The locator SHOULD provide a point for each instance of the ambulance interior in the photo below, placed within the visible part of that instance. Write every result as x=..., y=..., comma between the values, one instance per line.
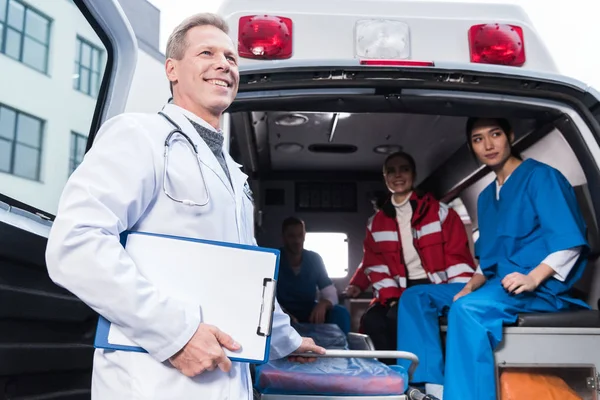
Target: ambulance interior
x=321, y=160
x=326, y=168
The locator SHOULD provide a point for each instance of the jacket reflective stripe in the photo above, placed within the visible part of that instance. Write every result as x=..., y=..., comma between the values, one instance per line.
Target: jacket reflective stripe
x=401, y=281
x=384, y=283
x=432, y=227
x=385, y=236
x=443, y=212
x=458, y=269
x=378, y=268
x=451, y=273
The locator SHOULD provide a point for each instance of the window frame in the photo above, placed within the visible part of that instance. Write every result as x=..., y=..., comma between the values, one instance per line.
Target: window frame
x=93, y=70
x=75, y=137
x=15, y=142
x=330, y=273
x=109, y=24
x=4, y=28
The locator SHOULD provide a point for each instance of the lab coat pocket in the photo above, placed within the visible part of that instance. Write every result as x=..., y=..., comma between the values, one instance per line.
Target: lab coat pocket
x=151, y=379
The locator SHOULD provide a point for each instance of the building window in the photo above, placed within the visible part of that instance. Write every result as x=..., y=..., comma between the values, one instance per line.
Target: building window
x=87, y=67
x=20, y=143
x=333, y=249
x=78, y=142
x=24, y=34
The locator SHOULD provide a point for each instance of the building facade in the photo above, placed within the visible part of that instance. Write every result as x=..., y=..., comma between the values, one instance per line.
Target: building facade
x=52, y=64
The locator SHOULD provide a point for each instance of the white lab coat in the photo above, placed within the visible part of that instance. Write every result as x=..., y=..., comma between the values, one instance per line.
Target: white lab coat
x=119, y=186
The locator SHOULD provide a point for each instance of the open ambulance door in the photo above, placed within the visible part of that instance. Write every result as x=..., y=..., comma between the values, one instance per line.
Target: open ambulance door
x=66, y=67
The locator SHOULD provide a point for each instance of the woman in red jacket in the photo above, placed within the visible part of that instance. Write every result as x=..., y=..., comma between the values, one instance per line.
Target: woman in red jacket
x=412, y=239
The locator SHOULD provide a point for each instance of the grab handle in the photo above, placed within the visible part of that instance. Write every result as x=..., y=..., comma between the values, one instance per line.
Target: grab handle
x=335, y=353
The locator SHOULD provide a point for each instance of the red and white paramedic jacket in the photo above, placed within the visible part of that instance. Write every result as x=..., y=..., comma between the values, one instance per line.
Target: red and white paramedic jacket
x=439, y=238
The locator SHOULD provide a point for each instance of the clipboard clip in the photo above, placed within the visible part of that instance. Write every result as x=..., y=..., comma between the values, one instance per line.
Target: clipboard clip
x=265, y=322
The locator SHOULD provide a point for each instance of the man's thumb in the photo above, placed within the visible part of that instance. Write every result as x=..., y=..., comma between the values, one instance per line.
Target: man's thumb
x=227, y=341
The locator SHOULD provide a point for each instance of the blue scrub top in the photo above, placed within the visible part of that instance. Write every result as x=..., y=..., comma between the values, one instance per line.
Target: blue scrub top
x=297, y=293
x=536, y=214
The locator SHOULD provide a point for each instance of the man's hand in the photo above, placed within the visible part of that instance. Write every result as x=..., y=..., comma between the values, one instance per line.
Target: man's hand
x=308, y=345
x=516, y=283
x=352, y=291
x=318, y=314
x=204, y=353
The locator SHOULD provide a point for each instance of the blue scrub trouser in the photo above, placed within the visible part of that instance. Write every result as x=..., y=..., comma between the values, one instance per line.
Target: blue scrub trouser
x=474, y=330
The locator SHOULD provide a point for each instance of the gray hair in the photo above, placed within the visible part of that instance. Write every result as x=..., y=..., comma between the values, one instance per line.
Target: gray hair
x=176, y=45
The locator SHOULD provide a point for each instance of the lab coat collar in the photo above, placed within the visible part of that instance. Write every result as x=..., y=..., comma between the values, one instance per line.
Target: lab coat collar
x=190, y=115
x=207, y=157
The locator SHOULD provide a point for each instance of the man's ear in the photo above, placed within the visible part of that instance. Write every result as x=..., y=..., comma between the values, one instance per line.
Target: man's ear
x=171, y=70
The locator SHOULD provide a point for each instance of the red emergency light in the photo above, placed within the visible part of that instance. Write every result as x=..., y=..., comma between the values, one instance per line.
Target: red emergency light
x=265, y=37
x=497, y=44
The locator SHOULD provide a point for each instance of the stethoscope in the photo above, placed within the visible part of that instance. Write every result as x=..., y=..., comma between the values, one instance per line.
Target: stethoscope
x=177, y=131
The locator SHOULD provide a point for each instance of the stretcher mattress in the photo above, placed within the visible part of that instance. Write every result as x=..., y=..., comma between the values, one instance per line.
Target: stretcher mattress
x=330, y=376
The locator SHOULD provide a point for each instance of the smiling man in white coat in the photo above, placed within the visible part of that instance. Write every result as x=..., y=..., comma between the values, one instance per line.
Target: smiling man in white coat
x=119, y=186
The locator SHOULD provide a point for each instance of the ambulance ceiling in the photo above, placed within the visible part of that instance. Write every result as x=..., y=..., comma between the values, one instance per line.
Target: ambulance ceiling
x=359, y=142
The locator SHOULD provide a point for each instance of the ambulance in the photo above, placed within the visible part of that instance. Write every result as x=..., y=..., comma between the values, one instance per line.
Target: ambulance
x=327, y=90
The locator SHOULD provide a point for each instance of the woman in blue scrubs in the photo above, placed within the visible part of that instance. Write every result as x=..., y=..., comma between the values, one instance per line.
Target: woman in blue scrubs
x=531, y=249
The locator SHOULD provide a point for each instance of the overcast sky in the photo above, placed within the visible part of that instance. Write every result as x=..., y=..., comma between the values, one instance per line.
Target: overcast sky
x=570, y=29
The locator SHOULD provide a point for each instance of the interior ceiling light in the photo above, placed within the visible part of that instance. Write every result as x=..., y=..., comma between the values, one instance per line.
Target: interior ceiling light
x=289, y=147
x=342, y=115
x=291, y=120
x=387, y=148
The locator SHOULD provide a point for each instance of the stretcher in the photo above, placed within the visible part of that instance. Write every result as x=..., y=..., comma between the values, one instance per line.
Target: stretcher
x=340, y=374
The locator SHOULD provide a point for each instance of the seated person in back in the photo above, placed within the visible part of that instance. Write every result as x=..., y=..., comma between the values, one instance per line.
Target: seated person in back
x=301, y=272
x=532, y=249
x=413, y=239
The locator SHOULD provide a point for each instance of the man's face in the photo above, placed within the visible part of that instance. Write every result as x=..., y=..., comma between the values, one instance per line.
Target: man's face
x=293, y=238
x=207, y=75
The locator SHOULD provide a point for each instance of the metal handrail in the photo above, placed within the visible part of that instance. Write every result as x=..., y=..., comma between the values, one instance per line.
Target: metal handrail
x=336, y=353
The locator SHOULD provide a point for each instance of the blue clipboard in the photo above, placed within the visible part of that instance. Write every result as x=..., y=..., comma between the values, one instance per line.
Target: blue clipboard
x=258, y=301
